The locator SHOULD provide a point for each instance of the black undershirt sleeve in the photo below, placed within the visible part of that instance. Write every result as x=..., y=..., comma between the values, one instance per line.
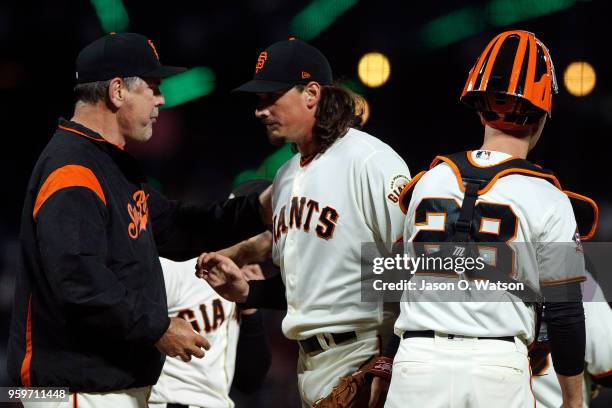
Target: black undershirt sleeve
x=253, y=356
x=564, y=317
x=266, y=294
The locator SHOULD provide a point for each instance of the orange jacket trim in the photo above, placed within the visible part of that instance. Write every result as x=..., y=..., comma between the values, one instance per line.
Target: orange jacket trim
x=87, y=136
x=26, y=380
x=71, y=175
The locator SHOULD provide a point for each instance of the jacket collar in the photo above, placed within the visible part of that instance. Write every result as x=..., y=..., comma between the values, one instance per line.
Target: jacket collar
x=78, y=129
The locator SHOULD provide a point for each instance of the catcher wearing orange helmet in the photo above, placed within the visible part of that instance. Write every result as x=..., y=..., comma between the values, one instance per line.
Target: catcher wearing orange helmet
x=466, y=350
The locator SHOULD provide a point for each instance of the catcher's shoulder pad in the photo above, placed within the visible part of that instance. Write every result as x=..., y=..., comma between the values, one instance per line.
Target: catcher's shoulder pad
x=466, y=170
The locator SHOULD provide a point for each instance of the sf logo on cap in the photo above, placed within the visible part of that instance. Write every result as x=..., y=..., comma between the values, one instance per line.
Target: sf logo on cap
x=153, y=48
x=261, y=60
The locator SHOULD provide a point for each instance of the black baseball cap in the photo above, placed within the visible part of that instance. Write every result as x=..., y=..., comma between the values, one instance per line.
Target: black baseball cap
x=288, y=63
x=121, y=55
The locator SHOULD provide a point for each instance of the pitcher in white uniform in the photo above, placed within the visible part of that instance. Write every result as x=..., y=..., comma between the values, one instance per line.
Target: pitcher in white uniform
x=342, y=189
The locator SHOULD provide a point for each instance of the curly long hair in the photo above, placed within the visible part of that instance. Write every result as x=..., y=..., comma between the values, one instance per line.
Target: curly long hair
x=338, y=110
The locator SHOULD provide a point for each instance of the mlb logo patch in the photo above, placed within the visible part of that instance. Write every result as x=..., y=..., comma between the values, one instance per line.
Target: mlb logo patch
x=576, y=239
x=483, y=154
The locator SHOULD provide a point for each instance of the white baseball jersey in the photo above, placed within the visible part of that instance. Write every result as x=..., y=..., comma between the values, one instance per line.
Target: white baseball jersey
x=323, y=211
x=524, y=209
x=598, y=355
x=200, y=382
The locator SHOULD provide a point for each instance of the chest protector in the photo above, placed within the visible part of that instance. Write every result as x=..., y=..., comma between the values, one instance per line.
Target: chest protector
x=475, y=180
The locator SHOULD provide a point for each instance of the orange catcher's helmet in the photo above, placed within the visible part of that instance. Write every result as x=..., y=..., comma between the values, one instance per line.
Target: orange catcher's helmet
x=512, y=82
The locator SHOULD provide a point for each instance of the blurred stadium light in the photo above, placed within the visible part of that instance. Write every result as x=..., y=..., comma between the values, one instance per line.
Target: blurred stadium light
x=459, y=24
x=374, y=69
x=579, y=78
x=112, y=15
x=187, y=86
x=317, y=16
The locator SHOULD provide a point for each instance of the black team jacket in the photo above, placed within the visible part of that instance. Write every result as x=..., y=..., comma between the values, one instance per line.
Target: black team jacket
x=90, y=300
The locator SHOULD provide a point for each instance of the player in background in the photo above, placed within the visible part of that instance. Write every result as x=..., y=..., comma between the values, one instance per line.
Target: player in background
x=341, y=190
x=233, y=333
x=239, y=355
x=598, y=356
x=474, y=354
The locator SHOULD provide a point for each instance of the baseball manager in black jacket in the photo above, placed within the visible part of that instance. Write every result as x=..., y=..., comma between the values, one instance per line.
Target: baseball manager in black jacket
x=90, y=305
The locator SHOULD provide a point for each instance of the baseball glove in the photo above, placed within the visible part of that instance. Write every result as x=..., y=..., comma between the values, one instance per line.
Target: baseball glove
x=353, y=391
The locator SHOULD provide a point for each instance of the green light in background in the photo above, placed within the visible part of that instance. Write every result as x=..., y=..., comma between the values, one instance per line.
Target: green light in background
x=112, y=15
x=268, y=168
x=317, y=16
x=452, y=27
x=273, y=162
x=354, y=86
x=245, y=176
x=505, y=12
x=187, y=86
x=459, y=24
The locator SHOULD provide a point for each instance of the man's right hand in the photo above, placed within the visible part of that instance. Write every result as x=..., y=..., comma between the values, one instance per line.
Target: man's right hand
x=181, y=340
x=223, y=275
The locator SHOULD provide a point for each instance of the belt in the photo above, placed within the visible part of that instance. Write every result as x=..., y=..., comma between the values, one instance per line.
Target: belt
x=430, y=333
x=312, y=344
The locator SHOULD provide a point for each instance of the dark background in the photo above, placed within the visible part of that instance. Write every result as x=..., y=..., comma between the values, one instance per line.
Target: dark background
x=199, y=147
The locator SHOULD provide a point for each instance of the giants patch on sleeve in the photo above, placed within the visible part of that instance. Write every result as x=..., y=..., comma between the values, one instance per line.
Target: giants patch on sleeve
x=396, y=185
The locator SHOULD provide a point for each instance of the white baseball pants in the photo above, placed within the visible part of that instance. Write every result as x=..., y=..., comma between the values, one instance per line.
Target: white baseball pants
x=462, y=372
